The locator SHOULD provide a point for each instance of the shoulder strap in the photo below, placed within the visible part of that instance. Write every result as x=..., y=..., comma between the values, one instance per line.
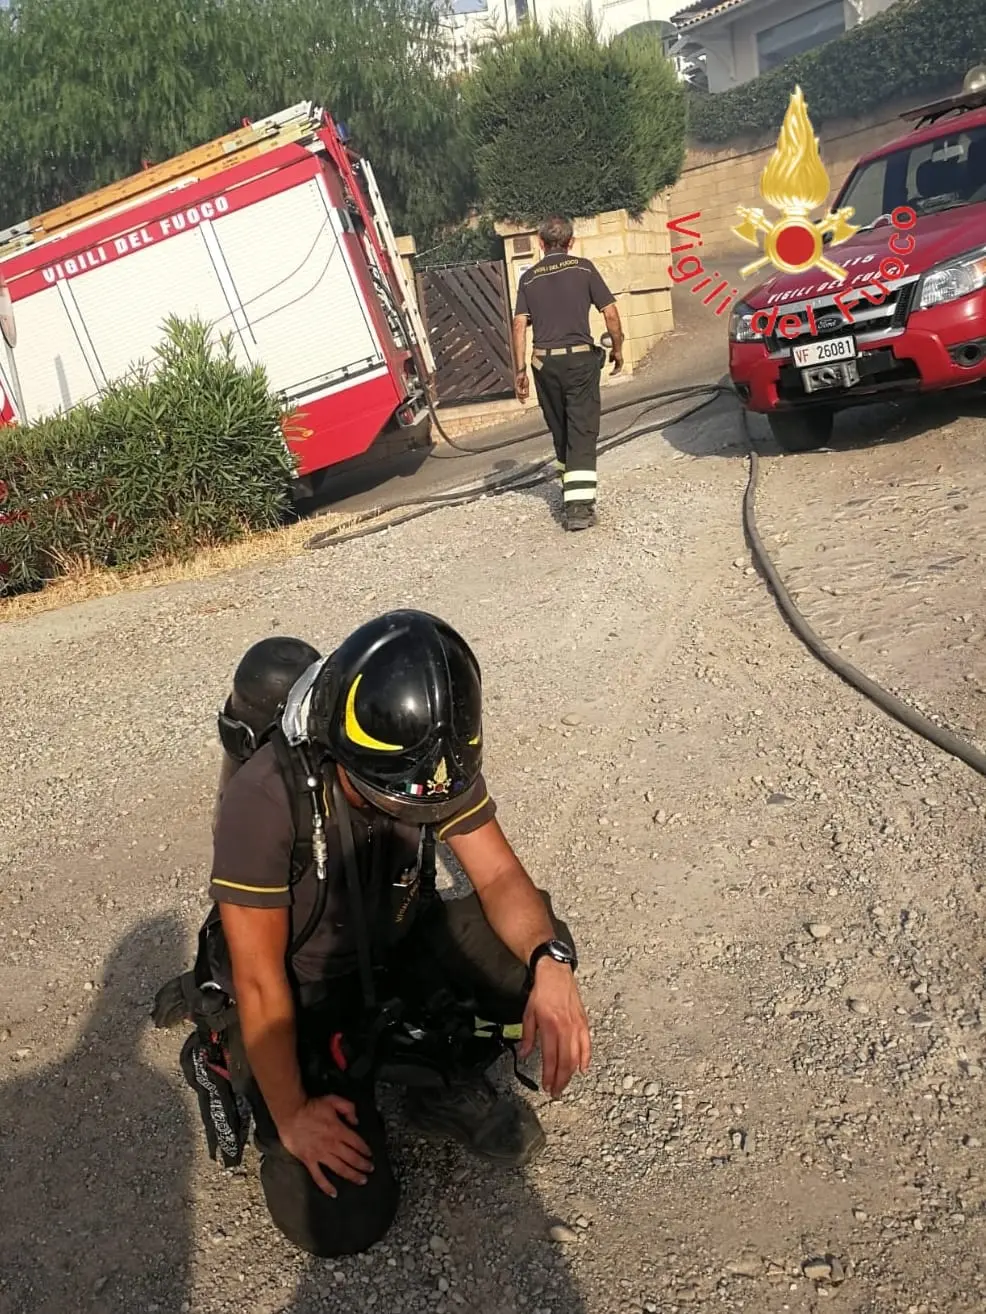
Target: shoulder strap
x=296, y=773
x=428, y=870
x=293, y=774
x=308, y=814
x=357, y=910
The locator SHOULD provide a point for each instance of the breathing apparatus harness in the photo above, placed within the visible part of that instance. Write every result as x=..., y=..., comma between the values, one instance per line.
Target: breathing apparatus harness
x=420, y=1051
x=448, y=1022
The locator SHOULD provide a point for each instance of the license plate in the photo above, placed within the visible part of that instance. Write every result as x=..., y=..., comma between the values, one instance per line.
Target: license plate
x=823, y=353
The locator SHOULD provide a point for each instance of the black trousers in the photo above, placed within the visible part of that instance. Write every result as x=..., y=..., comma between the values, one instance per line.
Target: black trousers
x=452, y=947
x=567, y=389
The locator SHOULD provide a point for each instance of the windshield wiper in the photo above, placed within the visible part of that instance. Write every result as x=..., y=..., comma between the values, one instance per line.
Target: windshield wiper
x=930, y=207
x=936, y=208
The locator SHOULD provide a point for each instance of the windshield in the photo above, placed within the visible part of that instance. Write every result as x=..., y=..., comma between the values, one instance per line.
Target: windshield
x=930, y=176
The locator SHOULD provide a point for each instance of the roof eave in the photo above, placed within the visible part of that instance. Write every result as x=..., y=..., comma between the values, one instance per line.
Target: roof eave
x=702, y=20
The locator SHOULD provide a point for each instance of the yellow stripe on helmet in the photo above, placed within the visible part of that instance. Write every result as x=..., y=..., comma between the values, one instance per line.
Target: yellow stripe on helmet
x=356, y=732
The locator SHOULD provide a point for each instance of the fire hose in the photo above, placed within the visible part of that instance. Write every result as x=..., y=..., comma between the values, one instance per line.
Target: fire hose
x=945, y=739
x=541, y=472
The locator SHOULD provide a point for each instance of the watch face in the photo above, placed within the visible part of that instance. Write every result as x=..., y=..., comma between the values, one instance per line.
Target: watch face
x=559, y=950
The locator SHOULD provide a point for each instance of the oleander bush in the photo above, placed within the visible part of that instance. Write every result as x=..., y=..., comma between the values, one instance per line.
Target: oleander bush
x=185, y=452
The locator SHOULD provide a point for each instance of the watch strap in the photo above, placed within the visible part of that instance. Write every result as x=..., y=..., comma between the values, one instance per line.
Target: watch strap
x=544, y=950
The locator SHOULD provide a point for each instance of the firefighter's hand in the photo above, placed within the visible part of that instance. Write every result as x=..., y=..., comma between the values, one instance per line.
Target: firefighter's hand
x=616, y=359
x=321, y=1134
x=522, y=384
x=555, y=1017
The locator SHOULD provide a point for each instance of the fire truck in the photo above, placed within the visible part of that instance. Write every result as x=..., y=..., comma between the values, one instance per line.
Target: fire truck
x=276, y=235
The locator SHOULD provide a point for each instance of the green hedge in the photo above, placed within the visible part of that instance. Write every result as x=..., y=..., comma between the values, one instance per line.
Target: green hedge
x=562, y=123
x=186, y=452
x=917, y=47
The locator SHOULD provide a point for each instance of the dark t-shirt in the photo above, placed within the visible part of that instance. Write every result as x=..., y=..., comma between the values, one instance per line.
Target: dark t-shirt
x=251, y=865
x=555, y=295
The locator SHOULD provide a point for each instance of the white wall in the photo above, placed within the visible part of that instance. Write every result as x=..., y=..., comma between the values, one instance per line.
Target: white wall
x=617, y=15
x=612, y=16
x=720, y=59
x=731, y=44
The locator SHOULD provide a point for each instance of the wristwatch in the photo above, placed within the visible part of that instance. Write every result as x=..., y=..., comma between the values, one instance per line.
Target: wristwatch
x=556, y=949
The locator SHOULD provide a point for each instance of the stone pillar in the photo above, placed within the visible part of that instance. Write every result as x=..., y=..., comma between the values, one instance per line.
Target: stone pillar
x=407, y=249
x=632, y=255
x=521, y=250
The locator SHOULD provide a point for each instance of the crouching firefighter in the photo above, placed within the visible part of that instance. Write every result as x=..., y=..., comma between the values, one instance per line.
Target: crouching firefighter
x=329, y=962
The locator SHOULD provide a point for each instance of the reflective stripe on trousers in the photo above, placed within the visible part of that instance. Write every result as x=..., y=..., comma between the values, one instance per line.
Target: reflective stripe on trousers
x=580, y=485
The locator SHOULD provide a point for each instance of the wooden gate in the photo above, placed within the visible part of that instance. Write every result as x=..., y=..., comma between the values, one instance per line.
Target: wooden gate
x=467, y=314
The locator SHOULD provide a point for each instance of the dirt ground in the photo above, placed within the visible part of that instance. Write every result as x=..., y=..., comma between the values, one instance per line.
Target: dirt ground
x=777, y=893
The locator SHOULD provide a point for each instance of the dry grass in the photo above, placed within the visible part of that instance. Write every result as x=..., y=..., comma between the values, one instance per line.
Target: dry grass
x=82, y=585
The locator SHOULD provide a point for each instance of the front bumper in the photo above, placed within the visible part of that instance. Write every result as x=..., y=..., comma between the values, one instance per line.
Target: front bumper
x=943, y=347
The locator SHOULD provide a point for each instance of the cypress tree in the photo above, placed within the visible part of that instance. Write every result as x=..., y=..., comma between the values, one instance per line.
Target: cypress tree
x=561, y=122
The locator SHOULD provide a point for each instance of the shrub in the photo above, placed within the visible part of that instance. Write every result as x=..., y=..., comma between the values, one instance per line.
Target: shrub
x=463, y=244
x=915, y=47
x=185, y=452
x=563, y=123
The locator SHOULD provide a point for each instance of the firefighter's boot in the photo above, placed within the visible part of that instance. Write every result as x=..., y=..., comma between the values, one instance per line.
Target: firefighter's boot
x=470, y=1110
x=580, y=515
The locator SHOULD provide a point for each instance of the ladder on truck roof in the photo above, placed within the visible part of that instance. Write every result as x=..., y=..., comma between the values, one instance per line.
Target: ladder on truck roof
x=300, y=123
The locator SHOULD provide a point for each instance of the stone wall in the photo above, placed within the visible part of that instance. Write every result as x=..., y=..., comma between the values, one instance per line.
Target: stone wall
x=632, y=255
x=715, y=182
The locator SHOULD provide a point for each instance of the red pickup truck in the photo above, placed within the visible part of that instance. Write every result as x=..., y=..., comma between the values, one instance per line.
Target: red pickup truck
x=922, y=330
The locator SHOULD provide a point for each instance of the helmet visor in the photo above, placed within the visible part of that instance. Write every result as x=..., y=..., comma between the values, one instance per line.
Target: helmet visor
x=407, y=808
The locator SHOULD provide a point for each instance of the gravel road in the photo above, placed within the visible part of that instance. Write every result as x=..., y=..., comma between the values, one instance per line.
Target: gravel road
x=777, y=893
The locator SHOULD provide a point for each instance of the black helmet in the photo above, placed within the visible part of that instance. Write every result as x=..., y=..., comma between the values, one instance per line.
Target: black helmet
x=399, y=706
x=263, y=679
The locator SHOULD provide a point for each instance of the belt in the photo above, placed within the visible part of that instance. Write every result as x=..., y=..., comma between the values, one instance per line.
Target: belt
x=562, y=351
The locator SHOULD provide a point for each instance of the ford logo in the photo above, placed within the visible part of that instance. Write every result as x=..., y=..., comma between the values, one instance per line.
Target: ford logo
x=828, y=322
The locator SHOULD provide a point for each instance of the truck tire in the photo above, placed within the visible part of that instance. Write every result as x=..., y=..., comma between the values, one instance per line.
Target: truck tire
x=802, y=431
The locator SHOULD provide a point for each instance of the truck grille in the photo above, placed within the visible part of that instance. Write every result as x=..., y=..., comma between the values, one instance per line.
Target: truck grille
x=869, y=321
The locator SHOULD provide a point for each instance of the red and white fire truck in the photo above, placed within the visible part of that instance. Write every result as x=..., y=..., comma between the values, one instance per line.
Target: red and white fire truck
x=275, y=234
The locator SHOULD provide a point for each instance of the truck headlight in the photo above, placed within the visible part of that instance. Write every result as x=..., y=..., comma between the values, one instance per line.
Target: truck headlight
x=740, y=324
x=954, y=279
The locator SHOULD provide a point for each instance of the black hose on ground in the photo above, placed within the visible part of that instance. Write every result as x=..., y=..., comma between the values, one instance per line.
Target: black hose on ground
x=944, y=739
x=533, y=475
x=529, y=476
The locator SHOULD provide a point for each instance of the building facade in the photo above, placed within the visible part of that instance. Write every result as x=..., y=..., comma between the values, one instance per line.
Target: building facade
x=468, y=23
x=739, y=39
